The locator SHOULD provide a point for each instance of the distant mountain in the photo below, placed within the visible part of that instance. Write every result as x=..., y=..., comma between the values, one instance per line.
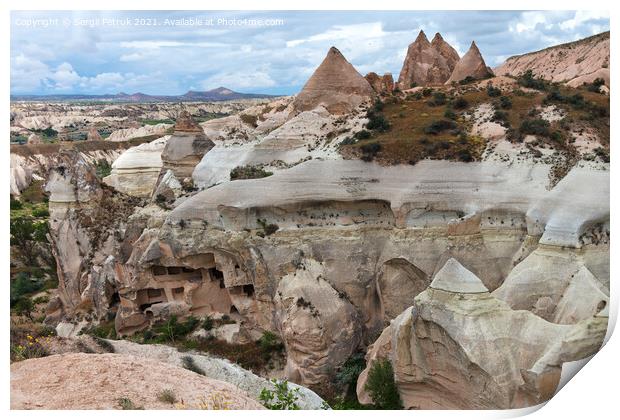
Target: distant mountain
x=219, y=94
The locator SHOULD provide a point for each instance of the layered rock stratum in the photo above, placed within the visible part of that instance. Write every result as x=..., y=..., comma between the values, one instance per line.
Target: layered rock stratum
x=573, y=63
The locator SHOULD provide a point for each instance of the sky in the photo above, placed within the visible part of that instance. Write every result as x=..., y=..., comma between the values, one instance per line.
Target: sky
x=271, y=52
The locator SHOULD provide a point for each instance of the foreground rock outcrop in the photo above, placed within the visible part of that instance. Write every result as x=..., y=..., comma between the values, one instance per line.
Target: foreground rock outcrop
x=458, y=347
x=335, y=85
x=218, y=369
x=83, y=381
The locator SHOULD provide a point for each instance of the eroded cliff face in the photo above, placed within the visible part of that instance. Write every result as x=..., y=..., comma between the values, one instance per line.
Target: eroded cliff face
x=338, y=269
x=459, y=347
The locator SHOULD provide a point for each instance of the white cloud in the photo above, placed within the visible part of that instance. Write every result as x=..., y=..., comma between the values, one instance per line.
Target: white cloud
x=27, y=73
x=582, y=16
x=353, y=33
x=239, y=80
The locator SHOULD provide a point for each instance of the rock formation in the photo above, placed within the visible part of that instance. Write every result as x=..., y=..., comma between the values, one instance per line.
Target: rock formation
x=311, y=314
x=335, y=85
x=185, y=147
x=49, y=383
x=93, y=135
x=382, y=85
x=85, y=223
x=470, y=65
x=136, y=171
x=125, y=134
x=427, y=63
x=573, y=63
x=34, y=139
x=458, y=347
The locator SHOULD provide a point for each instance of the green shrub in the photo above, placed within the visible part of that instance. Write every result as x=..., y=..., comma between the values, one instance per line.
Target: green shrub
x=467, y=80
x=40, y=212
x=450, y=114
x=126, y=404
x=16, y=204
x=370, y=150
x=268, y=228
x=167, y=396
x=362, y=135
x=104, y=345
x=249, y=172
x=426, y=92
x=437, y=127
x=281, y=398
x=346, y=377
x=439, y=98
x=270, y=342
x=207, y=323
x=381, y=386
x=528, y=80
x=595, y=86
x=24, y=233
x=460, y=103
x=24, y=285
x=492, y=91
x=377, y=122
x=505, y=102
x=190, y=364
x=171, y=330
x=536, y=126
x=103, y=168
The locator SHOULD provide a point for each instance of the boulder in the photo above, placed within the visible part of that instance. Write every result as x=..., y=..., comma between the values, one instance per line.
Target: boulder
x=336, y=85
x=470, y=65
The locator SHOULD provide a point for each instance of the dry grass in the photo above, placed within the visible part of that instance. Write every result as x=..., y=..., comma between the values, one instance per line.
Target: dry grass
x=408, y=139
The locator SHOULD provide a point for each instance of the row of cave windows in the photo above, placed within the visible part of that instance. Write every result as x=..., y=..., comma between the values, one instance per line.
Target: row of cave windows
x=214, y=273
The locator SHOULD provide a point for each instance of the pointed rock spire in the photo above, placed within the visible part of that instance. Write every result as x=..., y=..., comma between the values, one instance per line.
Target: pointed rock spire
x=455, y=278
x=335, y=84
x=427, y=63
x=471, y=65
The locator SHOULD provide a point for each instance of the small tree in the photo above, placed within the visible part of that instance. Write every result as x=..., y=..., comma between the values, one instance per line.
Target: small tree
x=381, y=386
x=281, y=398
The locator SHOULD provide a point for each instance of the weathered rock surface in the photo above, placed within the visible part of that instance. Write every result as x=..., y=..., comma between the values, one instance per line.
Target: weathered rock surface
x=136, y=171
x=83, y=381
x=125, y=134
x=382, y=85
x=335, y=85
x=312, y=317
x=573, y=63
x=185, y=147
x=427, y=63
x=218, y=369
x=93, y=135
x=458, y=347
x=470, y=65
